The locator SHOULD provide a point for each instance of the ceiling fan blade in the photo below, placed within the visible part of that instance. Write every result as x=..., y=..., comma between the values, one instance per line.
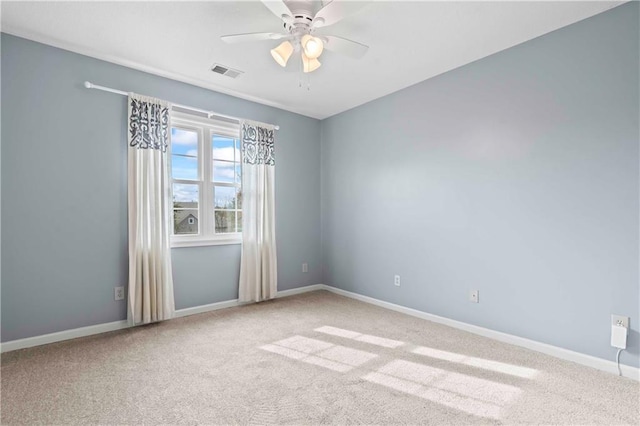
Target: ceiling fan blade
x=335, y=11
x=278, y=8
x=248, y=37
x=344, y=46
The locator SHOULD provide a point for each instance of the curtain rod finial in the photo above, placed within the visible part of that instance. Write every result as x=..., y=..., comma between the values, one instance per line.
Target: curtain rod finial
x=88, y=85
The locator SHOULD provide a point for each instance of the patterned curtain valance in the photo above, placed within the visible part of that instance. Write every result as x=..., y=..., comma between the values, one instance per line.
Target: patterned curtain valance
x=149, y=119
x=257, y=144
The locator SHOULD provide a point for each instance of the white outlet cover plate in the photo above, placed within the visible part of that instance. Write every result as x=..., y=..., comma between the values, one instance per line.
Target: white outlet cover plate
x=473, y=296
x=119, y=293
x=616, y=318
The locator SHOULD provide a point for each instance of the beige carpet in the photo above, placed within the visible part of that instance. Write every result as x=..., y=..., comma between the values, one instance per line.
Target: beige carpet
x=308, y=359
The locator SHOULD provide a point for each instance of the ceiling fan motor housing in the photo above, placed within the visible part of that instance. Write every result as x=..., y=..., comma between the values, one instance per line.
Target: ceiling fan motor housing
x=301, y=24
x=302, y=19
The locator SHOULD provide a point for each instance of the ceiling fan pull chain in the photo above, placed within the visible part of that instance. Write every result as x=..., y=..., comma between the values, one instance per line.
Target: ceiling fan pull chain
x=301, y=73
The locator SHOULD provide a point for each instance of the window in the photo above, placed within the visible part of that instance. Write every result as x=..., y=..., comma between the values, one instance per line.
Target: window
x=206, y=174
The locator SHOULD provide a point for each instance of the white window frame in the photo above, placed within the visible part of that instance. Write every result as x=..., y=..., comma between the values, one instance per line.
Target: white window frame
x=205, y=129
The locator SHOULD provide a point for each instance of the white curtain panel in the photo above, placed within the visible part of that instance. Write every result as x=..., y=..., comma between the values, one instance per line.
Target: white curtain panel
x=258, y=265
x=150, y=276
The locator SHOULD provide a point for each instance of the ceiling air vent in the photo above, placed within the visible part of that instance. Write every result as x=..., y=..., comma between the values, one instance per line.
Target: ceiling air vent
x=229, y=72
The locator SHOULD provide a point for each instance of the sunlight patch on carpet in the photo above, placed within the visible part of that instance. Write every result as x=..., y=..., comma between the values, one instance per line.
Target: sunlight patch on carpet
x=304, y=344
x=465, y=385
x=438, y=396
x=320, y=353
x=472, y=395
x=289, y=353
x=326, y=363
x=348, y=356
x=366, y=338
x=498, y=367
x=486, y=364
x=469, y=394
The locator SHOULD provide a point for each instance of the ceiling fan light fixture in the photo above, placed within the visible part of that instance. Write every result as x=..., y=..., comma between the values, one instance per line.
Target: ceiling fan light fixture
x=282, y=53
x=312, y=46
x=309, y=64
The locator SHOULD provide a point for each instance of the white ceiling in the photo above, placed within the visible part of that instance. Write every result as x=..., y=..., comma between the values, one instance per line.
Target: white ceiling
x=409, y=42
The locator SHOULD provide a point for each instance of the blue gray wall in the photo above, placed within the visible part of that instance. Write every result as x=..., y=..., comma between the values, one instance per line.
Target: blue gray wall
x=64, y=224
x=516, y=175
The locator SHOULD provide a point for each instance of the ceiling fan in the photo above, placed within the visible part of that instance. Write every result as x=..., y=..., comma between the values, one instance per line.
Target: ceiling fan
x=300, y=23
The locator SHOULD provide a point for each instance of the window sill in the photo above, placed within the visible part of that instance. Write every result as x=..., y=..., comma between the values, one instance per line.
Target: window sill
x=200, y=242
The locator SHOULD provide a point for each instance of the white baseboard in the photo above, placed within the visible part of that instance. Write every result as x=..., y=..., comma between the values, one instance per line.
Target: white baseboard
x=206, y=308
x=235, y=302
x=62, y=335
x=577, y=357
x=118, y=325
x=300, y=290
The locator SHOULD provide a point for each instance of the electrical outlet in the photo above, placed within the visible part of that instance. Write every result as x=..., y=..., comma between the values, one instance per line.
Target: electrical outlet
x=119, y=293
x=396, y=280
x=474, y=296
x=305, y=267
x=620, y=320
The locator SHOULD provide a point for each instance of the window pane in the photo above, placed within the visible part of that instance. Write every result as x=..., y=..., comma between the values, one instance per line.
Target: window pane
x=185, y=208
x=239, y=198
x=184, y=147
x=238, y=173
x=239, y=215
x=185, y=196
x=223, y=171
x=223, y=149
x=224, y=197
x=185, y=221
x=225, y=221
